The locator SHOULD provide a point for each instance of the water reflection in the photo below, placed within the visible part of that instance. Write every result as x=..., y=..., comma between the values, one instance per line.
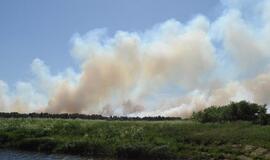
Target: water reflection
x=22, y=155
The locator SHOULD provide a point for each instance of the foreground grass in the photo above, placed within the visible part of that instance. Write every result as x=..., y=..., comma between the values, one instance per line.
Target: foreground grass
x=138, y=139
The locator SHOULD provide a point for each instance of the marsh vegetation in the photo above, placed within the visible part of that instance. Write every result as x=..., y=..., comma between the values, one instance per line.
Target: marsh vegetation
x=233, y=131
x=135, y=139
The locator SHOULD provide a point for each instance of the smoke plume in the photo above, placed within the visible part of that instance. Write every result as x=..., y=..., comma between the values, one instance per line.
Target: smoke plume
x=172, y=69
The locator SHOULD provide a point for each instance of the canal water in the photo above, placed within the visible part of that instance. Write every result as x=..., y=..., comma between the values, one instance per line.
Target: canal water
x=6, y=154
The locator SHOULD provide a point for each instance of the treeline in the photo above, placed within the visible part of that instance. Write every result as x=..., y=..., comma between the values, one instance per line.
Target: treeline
x=242, y=110
x=81, y=116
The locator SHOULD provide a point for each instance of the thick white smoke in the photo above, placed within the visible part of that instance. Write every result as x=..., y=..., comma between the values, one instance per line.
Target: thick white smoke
x=172, y=69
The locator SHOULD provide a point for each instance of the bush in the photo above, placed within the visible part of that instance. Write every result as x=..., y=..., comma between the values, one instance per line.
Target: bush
x=263, y=118
x=232, y=112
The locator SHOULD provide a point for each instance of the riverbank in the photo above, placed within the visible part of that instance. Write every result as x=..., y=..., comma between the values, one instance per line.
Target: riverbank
x=137, y=139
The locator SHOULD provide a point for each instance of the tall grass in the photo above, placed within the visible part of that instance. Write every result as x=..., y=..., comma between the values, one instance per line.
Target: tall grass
x=132, y=139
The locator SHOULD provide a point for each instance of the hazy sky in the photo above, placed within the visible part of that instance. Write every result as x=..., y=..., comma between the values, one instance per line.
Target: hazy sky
x=136, y=58
x=42, y=29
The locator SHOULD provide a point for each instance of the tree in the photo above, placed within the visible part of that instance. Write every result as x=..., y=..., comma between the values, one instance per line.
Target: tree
x=242, y=110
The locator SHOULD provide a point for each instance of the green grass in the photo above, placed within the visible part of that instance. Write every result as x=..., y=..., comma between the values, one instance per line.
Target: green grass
x=134, y=139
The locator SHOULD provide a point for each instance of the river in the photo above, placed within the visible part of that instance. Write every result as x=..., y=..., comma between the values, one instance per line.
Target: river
x=6, y=154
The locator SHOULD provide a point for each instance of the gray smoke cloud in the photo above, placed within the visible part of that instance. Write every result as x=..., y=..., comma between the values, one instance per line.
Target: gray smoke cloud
x=172, y=69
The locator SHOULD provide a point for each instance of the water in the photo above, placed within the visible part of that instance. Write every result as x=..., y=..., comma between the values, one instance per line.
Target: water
x=22, y=155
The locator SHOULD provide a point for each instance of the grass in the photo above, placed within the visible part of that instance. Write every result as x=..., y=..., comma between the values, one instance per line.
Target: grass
x=135, y=139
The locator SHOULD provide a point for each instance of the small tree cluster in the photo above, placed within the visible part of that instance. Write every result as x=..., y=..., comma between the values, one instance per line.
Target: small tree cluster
x=242, y=110
x=81, y=116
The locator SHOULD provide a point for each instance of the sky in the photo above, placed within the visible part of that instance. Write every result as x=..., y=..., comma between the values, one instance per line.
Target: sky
x=134, y=58
x=43, y=29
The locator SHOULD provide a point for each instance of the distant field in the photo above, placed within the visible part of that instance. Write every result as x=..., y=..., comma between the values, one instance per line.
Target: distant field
x=137, y=139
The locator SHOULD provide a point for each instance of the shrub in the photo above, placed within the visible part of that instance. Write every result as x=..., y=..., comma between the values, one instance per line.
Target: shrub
x=232, y=112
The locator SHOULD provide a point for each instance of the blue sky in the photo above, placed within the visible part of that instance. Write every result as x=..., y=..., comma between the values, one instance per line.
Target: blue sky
x=42, y=29
x=154, y=57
